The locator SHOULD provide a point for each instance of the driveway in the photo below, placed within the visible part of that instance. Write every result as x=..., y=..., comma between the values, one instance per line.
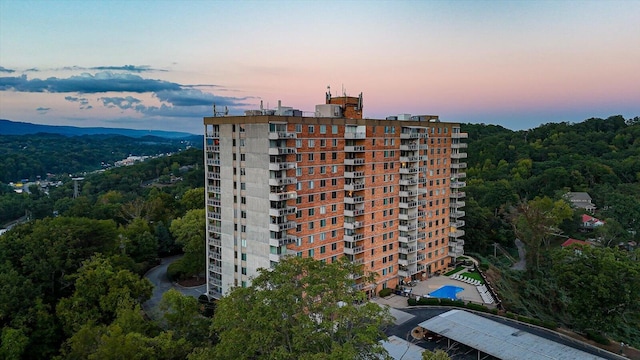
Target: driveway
x=161, y=284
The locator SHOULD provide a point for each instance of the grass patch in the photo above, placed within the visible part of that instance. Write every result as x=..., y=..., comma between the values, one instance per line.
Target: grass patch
x=454, y=271
x=474, y=275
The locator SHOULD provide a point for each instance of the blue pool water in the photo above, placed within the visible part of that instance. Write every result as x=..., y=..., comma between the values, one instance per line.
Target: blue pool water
x=447, y=292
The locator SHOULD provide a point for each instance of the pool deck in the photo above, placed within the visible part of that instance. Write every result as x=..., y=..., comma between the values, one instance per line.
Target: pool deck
x=422, y=288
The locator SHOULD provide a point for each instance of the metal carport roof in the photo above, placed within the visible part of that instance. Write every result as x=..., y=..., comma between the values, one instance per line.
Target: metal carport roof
x=499, y=340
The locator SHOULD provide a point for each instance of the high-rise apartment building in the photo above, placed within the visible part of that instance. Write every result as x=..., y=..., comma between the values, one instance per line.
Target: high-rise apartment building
x=384, y=193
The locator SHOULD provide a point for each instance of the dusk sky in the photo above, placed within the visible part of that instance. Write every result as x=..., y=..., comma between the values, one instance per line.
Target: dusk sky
x=160, y=65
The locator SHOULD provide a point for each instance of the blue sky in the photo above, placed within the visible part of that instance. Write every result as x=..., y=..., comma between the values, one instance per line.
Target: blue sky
x=162, y=64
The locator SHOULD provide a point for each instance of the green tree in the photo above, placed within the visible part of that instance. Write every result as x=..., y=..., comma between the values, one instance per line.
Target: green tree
x=536, y=222
x=602, y=286
x=183, y=317
x=193, y=199
x=13, y=343
x=301, y=309
x=100, y=290
x=435, y=355
x=189, y=231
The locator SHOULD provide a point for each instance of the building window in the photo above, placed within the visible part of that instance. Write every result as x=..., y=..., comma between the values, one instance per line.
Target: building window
x=334, y=247
x=298, y=128
x=323, y=143
x=310, y=252
x=311, y=184
x=323, y=129
x=298, y=143
x=323, y=249
x=311, y=143
x=334, y=129
x=311, y=129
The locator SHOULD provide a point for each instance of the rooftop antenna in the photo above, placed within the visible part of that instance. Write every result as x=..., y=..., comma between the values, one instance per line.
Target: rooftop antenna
x=328, y=94
x=217, y=113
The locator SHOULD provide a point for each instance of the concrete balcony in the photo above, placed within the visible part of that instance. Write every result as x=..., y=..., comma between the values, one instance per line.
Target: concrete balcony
x=282, y=240
x=215, y=242
x=213, y=162
x=214, y=189
x=354, y=199
x=458, y=184
x=213, y=148
x=408, y=159
x=353, y=251
x=214, y=215
x=413, y=135
x=404, y=273
x=277, y=166
x=214, y=281
x=408, y=204
x=457, y=194
x=458, y=223
x=407, y=249
x=408, y=182
x=457, y=233
x=282, y=151
x=213, y=175
x=353, y=174
x=459, y=145
x=212, y=135
x=456, y=214
x=282, y=181
x=277, y=257
x=281, y=135
x=354, y=212
x=457, y=204
x=354, y=186
x=403, y=262
x=354, y=161
x=407, y=227
x=409, y=147
x=214, y=229
x=409, y=193
x=353, y=225
x=215, y=255
x=459, y=155
x=407, y=239
x=456, y=251
x=281, y=196
x=459, y=135
x=356, y=148
x=408, y=170
x=458, y=165
x=458, y=175
x=282, y=226
x=355, y=135
x=289, y=210
x=458, y=242
x=353, y=238
x=408, y=216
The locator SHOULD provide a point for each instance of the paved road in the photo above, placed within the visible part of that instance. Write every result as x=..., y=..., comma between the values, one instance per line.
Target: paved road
x=161, y=284
x=522, y=264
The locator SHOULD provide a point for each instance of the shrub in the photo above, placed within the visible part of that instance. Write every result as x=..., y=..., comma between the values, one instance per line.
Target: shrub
x=175, y=271
x=385, y=292
x=510, y=315
x=477, y=307
x=597, y=337
x=448, y=302
x=412, y=302
x=484, y=266
x=549, y=324
x=429, y=301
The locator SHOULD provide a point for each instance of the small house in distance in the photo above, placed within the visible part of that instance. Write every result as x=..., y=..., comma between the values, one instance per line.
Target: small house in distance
x=580, y=200
x=589, y=222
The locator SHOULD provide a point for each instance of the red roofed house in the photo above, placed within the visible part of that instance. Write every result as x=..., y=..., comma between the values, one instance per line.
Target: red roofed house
x=590, y=223
x=571, y=241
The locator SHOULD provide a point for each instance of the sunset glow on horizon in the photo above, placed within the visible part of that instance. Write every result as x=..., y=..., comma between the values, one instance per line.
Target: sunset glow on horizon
x=161, y=65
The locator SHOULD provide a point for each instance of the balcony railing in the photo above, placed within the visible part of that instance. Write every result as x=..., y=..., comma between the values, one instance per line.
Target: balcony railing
x=459, y=155
x=213, y=148
x=276, y=166
x=354, y=161
x=282, y=181
x=353, y=238
x=282, y=226
x=409, y=147
x=282, y=150
x=353, y=199
x=459, y=135
x=353, y=212
x=353, y=174
x=354, y=250
x=458, y=165
x=215, y=242
x=212, y=134
x=355, y=135
x=213, y=162
x=353, y=225
x=289, y=210
x=281, y=135
x=355, y=148
x=354, y=186
x=280, y=196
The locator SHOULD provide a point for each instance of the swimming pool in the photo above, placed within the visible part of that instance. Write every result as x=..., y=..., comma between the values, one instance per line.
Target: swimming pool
x=447, y=292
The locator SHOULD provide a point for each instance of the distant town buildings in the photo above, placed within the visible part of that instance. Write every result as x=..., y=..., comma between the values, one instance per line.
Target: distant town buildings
x=385, y=193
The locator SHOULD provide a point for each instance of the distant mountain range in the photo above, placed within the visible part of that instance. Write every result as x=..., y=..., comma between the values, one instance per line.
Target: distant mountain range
x=8, y=127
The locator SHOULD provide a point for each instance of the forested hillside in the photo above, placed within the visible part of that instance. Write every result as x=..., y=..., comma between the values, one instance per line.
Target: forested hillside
x=515, y=186
x=29, y=156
